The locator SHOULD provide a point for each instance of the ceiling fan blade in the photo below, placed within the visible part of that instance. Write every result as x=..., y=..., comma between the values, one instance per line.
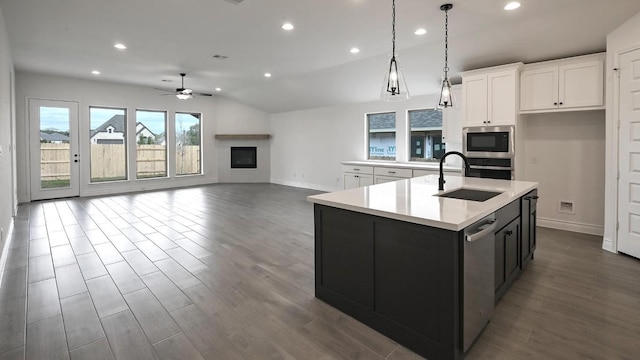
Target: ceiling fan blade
x=165, y=90
x=202, y=94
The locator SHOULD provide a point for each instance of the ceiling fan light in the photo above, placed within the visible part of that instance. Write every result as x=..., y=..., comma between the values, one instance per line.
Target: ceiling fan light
x=184, y=96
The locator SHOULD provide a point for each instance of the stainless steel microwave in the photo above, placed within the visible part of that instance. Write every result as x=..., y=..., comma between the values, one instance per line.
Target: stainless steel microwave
x=489, y=141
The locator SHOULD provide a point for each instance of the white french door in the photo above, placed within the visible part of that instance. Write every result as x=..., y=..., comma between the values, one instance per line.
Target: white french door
x=54, y=156
x=629, y=155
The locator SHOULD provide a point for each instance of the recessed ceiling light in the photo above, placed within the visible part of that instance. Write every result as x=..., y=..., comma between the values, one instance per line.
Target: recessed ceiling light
x=512, y=6
x=287, y=26
x=420, y=31
x=95, y=72
x=267, y=75
x=218, y=89
x=354, y=50
x=120, y=46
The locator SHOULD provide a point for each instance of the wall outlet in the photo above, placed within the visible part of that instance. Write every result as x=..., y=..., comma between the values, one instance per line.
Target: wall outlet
x=566, y=207
x=338, y=179
x=1, y=234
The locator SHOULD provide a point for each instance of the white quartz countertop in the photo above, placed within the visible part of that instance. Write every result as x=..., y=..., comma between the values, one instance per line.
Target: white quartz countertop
x=412, y=200
x=403, y=165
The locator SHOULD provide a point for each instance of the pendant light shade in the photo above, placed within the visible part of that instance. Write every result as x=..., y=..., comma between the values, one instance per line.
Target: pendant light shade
x=394, y=87
x=446, y=96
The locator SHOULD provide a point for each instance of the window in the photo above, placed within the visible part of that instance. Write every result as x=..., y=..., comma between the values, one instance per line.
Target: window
x=188, y=144
x=108, y=138
x=151, y=144
x=426, y=135
x=382, y=136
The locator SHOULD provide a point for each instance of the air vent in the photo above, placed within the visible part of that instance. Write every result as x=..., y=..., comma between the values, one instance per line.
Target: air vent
x=236, y=2
x=220, y=57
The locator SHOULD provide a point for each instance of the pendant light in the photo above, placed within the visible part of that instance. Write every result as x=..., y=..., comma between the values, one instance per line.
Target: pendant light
x=446, y=97
x=393, y=86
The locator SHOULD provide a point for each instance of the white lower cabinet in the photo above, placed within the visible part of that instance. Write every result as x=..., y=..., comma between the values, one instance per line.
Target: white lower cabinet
x=357, y=180
x=356, y=176
x=385, y=174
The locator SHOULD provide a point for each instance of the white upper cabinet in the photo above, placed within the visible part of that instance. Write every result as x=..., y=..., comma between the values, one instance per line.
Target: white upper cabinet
x=563, y=85
x=452, y=118
x=490, y=95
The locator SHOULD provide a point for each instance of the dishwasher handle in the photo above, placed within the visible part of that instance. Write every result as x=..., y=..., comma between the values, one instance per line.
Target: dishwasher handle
x=484, y=231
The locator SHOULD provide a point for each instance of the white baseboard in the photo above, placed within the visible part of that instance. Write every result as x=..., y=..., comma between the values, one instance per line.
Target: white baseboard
x=5, y=249
x=607, y=244
x=305, y=185
x=147, y=185
x=571, y=226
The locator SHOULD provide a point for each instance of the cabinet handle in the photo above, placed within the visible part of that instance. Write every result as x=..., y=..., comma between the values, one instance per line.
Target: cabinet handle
x=560, y=102
x=392, y=172
x=535, y=197
x=356, y=169
x=555, y=104
x=508, y=233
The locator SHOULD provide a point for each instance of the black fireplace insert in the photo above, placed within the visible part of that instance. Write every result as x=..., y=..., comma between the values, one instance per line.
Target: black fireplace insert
x=244, y=157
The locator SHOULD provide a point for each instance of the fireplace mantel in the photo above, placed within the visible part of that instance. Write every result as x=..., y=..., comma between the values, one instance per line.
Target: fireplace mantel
x=242, y=136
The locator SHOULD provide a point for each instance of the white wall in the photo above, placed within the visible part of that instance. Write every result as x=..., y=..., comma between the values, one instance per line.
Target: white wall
x=235, y=118
x=7, y=124
x=564, y=153
x=216, y=112
x=624, y=38
x=308, y=145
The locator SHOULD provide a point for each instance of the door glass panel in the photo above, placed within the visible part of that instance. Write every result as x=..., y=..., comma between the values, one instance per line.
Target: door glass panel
x=55, y=156
x=108, y=138
x=188, y=144
x=151, y=144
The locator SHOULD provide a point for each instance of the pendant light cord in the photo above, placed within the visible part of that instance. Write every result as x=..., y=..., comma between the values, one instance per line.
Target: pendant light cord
x=446, y=43
x=393, y=28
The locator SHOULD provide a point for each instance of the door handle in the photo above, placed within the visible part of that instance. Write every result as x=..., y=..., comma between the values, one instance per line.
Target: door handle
x=480, y=234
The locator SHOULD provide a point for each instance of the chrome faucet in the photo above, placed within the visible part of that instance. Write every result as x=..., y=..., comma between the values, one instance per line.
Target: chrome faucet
x=466, y=167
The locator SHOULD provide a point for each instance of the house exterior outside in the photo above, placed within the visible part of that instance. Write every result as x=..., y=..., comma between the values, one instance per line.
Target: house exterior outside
x=113, y=130
x=53, y=138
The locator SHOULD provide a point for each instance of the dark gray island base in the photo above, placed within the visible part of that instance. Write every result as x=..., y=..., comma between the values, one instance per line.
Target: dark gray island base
x=406, y=280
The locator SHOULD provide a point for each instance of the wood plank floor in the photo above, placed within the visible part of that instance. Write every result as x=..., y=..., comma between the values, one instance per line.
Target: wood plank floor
x=226, y=272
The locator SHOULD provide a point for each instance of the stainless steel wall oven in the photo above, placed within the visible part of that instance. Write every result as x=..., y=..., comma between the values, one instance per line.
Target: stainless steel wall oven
x=490, y=150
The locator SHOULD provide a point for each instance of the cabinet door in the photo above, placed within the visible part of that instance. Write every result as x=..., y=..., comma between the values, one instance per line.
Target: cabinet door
x=384, y=179
x=351, y=181
x=474, y=93
x=539, y=89
x=452, y=118
x=507, y=256
x=502, y=98
x=365, y=180
x=581, y=85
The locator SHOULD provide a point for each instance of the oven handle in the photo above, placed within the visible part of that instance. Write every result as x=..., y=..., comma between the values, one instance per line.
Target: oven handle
x=490, y=167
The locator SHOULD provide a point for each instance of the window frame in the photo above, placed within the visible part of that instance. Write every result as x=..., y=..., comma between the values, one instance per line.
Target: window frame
x=127, y=176
x=201, y=153
x=368, y=133
x=409, y=131
x=166, y=137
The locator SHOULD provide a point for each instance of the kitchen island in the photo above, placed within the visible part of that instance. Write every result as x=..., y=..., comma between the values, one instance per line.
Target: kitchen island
x=393, y=256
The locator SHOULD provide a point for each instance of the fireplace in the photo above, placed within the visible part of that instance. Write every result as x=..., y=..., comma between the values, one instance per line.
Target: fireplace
x=244, y=157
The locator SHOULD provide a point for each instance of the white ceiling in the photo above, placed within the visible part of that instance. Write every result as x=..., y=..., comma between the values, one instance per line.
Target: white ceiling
x=311, y=65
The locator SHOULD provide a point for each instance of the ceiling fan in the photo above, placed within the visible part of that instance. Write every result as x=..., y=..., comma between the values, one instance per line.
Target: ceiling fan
x=183, y=93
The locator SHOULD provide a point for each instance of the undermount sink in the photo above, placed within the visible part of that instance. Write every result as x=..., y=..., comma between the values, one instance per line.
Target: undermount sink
x=470, y=194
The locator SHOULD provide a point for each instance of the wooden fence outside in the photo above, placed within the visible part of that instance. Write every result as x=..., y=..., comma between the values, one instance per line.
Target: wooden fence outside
x=108, y=161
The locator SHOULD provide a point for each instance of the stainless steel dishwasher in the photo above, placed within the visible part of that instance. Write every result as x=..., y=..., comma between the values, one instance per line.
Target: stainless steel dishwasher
x=479, y=278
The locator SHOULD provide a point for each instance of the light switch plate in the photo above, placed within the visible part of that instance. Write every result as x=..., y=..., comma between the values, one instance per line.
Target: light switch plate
x=0, y=150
